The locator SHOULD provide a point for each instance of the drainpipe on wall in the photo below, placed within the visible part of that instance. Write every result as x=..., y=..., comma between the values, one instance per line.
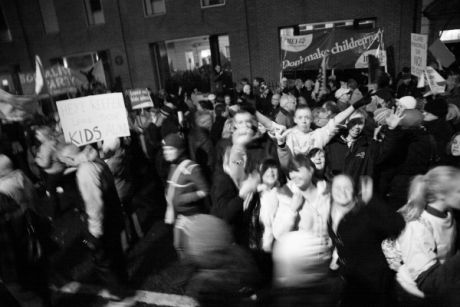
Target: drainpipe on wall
x=123, y=38
x=247, y=33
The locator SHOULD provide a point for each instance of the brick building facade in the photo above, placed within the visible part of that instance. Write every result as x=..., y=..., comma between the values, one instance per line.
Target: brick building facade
x=127, y=34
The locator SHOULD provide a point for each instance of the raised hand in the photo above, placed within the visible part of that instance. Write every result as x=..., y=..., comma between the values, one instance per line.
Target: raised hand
x=394, y=118
x=281, y=136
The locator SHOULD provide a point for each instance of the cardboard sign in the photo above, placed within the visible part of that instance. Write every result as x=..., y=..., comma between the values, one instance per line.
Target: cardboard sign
x=91, y=119
x=418, y=54
x=140, y=98
x=442, y=53
x=436, y=82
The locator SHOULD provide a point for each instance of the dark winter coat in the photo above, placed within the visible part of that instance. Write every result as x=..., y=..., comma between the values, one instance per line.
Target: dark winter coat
x=362, y=263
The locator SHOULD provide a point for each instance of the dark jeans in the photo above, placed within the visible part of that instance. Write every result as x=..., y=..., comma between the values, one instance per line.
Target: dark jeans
x=109, y=262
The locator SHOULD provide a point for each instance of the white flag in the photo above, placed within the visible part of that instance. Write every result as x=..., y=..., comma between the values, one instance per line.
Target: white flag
x=39, y=75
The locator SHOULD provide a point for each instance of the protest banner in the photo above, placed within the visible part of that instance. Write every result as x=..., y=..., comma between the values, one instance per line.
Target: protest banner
x=94, y=118
x=346, y=49
x=440, y=51
x=59, y=80
x=418, y=54
x=139, y=98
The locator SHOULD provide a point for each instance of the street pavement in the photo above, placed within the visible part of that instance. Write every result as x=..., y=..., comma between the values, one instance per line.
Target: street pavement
x=155, y=275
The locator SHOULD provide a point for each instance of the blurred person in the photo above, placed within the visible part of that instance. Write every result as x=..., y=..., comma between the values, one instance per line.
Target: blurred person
x=201, y=148
x=428, y=274
x=415, y=155
x=258, y=148
x=117, y=154
x=104, y=217
x=356, y=94
x=453, y=89
x=302, y=101
x=186, y=188
x=284, y=86
x=15, y=184
x=46, y=158
x=221, y=115
x=434, y=120
x=301, y=272
x=234, y=187
x=22, y=274
x=298, y=89
x=275, y=106
x=357, y=229
x=226, y=275
x=406, y=85
x=286, y=111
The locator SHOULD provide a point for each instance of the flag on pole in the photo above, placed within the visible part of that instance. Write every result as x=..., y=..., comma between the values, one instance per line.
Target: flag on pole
x=39, y=76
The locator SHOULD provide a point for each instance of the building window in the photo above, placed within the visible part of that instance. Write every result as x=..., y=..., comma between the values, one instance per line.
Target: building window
x=5, y=34
x=211, y=3
x=94, y=12
x=154, y=7
x=50, y=21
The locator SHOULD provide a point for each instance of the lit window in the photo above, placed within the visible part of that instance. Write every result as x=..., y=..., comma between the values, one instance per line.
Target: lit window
x=154, y=7
x=211, y=3
x=5, y=34
x=94, y=12
x=50, y=21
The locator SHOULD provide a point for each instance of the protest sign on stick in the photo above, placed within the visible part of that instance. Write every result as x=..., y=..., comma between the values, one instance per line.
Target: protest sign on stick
x=139, y=98
x=418, y=53
x=90, y=119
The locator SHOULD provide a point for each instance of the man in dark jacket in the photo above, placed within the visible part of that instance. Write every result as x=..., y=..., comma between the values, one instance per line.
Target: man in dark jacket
x=416, y=151
x=259, y=148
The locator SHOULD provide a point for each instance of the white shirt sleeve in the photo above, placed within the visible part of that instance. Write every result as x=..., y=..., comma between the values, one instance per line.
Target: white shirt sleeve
x=90, y=189
x=323, y=135
x=417, y=248
x=285, y=218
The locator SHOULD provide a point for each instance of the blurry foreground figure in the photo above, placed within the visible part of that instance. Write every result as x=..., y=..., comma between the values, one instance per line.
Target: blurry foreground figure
x=225, y=273
x=301, y=272
x=103, y=214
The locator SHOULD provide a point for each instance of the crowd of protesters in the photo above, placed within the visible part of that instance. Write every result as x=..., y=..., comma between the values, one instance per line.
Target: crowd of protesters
x=324, y=193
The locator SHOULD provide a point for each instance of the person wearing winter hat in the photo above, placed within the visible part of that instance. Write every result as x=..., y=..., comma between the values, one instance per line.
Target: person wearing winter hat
x=407, y=102
x=225, y=272
x=435, y=122
x=185, y=190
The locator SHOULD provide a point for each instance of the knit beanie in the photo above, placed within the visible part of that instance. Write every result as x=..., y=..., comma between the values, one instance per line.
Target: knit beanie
x=437, y=107
x=407, y=102
x=174, y=140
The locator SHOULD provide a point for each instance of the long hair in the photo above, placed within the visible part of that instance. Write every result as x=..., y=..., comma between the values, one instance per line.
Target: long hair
x=424, y=189
x=449, y=145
